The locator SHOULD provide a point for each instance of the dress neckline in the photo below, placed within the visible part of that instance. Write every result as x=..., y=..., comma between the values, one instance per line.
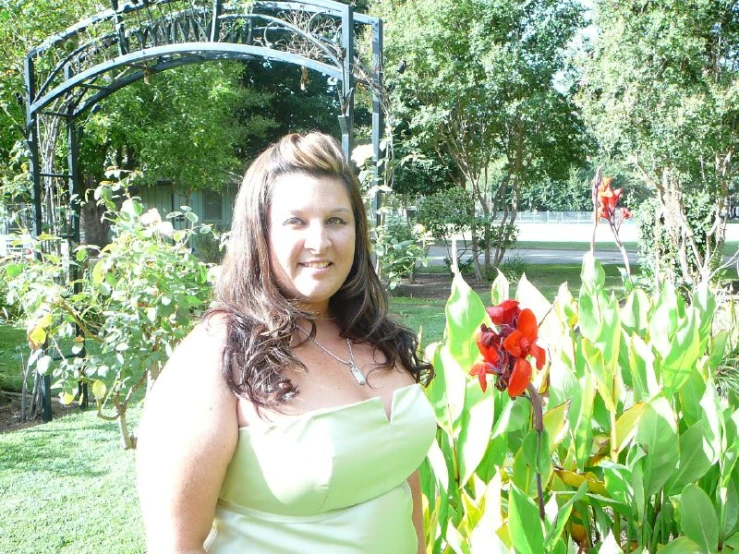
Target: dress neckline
x=311, y=414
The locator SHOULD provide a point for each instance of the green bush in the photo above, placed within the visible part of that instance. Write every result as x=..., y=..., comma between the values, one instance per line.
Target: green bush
x=135, y=300
x=658, y=255
x=399, y=249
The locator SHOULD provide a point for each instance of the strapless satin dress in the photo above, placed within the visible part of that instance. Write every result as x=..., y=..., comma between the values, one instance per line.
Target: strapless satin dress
x=330, y=481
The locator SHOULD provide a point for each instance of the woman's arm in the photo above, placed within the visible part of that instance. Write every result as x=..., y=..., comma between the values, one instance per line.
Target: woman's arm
x=187, y=438
x=415, y=484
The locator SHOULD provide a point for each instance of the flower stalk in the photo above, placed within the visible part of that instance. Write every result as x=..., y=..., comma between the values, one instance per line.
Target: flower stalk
x=505, y=351
x=605, y=201
x=535, y=399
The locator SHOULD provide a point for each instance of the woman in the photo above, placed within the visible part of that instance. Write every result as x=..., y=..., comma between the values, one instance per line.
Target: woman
x=291, y=420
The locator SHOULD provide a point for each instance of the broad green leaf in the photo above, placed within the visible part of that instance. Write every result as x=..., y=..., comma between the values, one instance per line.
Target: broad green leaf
x=563, y=385
x=436, y=391
x=477, y=426
x=704, y=303
x=465, y=313
x=589, y=318
x=525, y=526
x=514, y=417
x=731, y=509
x=499, y=291
x=604, y=376
x=732, y=541
x=681, y=354
x=694, y=460
x=717, y=348
x=663, y=322
x=584, y=428
x=636, y=462
x=713, y=429
x=536, y=451
x=731, y=451
x=626, y=425
x=657, y=433
x=530, y=297
x=691, y=395
x=592, y=275
x=618, y=482
x=609, y=336
x=641, y=365
x=635, y=313
x=554, y=424
x=681, y=545
x=699, y=521
x=456, y=377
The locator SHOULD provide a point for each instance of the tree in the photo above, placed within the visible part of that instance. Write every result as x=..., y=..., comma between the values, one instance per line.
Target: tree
x=659, y=86
x=24, y=25
x=478, y=87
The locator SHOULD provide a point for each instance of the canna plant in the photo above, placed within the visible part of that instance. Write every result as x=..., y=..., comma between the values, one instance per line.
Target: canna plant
x=637, y=452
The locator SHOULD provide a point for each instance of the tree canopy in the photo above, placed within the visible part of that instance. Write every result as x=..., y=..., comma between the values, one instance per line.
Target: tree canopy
x=660, y=89
x=477, y=87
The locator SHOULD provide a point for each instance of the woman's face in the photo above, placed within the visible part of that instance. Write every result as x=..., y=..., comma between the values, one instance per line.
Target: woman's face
x=311, y=237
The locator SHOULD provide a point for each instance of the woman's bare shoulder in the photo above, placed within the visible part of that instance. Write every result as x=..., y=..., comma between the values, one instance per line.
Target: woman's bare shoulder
x=204, y=343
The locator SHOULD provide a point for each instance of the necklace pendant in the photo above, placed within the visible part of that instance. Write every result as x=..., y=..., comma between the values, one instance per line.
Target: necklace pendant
x=358, y=375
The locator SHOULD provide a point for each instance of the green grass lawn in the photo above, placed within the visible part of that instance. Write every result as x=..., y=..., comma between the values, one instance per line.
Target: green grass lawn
x=423, y=315
x=67, y=486
x=13, y=352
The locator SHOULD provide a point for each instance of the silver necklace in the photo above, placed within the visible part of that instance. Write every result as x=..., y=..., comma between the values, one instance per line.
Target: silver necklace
x=352, y=365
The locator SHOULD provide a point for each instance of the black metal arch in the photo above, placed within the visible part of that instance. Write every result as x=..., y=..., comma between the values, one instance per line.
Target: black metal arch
x=71, y=72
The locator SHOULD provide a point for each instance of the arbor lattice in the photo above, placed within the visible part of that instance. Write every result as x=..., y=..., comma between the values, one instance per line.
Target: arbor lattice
x=73, y=71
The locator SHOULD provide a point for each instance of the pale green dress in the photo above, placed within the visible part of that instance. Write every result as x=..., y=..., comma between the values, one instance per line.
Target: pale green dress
x=331, y=481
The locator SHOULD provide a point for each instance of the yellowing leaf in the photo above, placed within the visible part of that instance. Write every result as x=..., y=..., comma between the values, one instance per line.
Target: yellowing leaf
x=66, y=398
x=36, y=338
x=99, y=389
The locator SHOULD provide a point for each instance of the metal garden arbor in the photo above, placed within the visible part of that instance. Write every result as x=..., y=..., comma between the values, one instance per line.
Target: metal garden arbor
x=72, y=72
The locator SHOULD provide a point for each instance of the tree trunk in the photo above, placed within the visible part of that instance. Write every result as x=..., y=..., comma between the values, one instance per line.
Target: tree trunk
x=93, y=228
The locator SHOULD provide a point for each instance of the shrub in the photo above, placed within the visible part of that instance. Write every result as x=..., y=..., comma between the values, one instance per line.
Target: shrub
x=135, y=299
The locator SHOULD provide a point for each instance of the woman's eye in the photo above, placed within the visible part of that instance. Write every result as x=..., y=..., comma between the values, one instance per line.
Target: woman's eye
x=336, y=221
x=293, y=221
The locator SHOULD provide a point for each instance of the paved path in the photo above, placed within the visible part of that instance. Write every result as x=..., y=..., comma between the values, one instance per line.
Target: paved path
x=437, y=254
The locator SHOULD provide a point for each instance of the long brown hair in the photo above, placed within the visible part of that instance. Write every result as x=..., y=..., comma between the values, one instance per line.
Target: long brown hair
x=260, y=320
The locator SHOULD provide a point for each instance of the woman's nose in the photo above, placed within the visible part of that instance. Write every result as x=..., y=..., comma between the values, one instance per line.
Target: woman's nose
x=316, y=237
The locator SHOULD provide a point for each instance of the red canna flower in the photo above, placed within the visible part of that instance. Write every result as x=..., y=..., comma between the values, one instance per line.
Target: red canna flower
x=481, y=370
x=505, y=351
x=625, y=214
x=522, y=342
x=520, y=378
x=487, y=343
x=504, y=313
